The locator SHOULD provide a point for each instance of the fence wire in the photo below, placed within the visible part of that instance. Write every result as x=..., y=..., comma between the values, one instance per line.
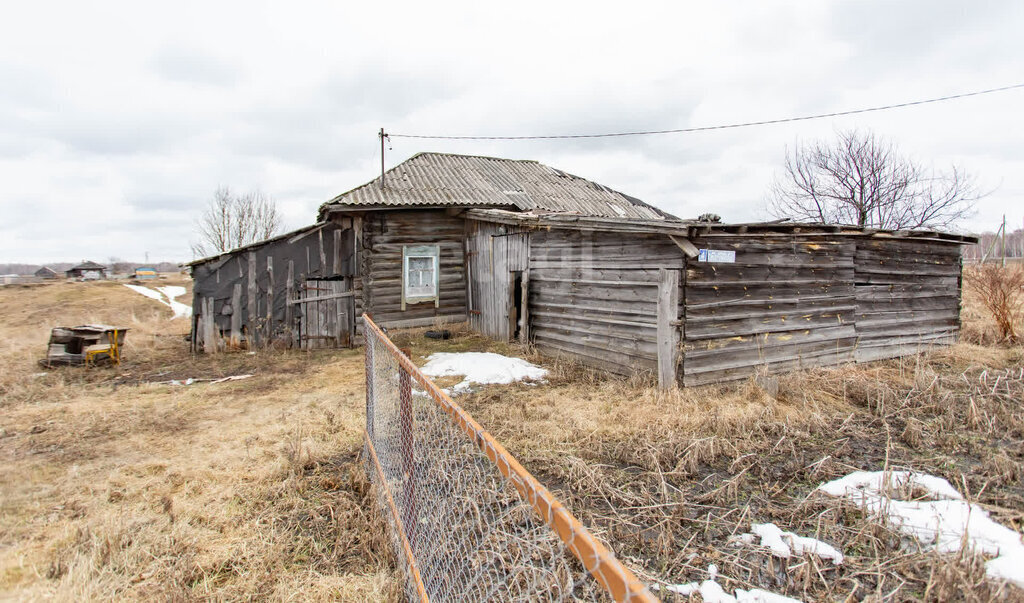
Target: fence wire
x=468, y=522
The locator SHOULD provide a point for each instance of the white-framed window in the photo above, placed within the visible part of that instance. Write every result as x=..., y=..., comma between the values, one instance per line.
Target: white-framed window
x=420, y=278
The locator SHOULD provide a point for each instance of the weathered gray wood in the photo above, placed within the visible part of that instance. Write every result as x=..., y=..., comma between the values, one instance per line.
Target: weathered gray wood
x=524, y=303
x=253, y=329
x=269, y=326
x=289, y=294
x=668, y=340
x=688, y=248
x=209, y=328
x=337, y=253
x=322, y=268
x=384, y=236
x=236, y=315
x=319, y=298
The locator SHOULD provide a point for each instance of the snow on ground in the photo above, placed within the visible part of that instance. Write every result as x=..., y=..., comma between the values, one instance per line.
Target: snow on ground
x=166, y=295
x=940, y=523
x=712, y=592
x=481, y=367
x=784, y=544
x=171, y=292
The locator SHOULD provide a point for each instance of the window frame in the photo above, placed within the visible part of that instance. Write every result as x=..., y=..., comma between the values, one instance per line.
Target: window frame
x=432, y=252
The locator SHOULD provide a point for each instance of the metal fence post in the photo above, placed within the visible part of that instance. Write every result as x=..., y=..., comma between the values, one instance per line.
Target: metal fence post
x=371, y=339
x=408, y=450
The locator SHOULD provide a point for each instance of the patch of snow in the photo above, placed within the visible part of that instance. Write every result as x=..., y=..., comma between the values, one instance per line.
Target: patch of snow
x=172, y=291
x=481, y=368
x=147, y=292
x=941, y=524
x=874, y=481
x=712, y=592
x=166, y=295
x=783, y=544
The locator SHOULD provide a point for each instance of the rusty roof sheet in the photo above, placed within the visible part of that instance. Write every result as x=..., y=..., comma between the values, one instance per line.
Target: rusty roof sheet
x=444, y=180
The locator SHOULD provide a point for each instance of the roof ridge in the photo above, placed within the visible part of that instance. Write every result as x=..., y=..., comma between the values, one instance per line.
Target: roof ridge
x=480, y=180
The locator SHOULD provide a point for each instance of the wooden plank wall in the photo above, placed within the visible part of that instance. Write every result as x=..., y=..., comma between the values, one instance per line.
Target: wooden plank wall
x=493, y=251
x=786, y=303
x=247, y=291
x=594, y=296
x=908, y=295
x=383, y=235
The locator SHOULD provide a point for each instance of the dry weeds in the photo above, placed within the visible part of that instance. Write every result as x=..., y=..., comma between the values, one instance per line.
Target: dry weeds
x=667, y=478
x=115, y=487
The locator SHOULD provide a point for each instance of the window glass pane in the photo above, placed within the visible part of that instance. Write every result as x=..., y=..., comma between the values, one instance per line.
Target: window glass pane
x=419, y=278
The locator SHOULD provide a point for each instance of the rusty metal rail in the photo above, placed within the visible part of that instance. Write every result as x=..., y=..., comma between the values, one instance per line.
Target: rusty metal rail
x=468, y=521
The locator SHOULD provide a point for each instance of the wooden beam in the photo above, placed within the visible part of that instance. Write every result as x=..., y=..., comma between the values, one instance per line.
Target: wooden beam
x=668, y=335
x=289, y=293
x=319, y=298
x=269, y=326
x=323, y=256
x=209, y=336
x=337, y=253
x=524, y=305
x=688, y=248
x=252, y=331
x=236, y=315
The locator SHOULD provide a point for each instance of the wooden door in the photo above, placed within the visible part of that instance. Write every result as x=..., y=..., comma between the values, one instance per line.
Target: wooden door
x=327, y=314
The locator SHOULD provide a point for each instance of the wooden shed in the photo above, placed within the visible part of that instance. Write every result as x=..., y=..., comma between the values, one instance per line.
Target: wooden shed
x=87, y=270
x=46, y=273
x=524, y=251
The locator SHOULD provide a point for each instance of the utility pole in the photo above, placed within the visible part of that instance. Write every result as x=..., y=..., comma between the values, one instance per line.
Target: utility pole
x=382, y=136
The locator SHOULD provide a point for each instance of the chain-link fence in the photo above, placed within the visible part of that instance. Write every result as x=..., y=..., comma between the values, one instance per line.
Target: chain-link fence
x=468, y=522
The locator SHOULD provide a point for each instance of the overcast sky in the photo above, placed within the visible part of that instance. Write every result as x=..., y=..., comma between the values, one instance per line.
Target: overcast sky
x=119, y=120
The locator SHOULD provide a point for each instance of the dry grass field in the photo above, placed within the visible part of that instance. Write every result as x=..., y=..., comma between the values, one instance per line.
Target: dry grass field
x=114, y=485
x=117, y=484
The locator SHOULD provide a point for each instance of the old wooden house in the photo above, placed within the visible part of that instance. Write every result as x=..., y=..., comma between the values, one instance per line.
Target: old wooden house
x=87, y=270
x=524, y=251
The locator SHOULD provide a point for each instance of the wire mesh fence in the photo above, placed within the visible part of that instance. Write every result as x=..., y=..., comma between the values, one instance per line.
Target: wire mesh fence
x=468, y=522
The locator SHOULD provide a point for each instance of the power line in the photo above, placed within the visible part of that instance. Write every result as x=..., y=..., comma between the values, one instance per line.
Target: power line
x=723, y=126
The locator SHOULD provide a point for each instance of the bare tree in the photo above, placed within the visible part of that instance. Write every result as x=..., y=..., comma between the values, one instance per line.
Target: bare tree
x=861, y=179
x=231, y=221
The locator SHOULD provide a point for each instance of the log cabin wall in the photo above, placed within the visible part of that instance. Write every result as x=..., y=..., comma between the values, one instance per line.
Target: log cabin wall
x=594, y=296
x=908, y=295
x=494, y=252
x=786, y=302
x=236, y=289
x=384, y=234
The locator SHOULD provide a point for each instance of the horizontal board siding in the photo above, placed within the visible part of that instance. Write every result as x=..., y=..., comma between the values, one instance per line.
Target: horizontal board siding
x=384, y=236
x=908, y=296
x=787, y=302
x=594, y=296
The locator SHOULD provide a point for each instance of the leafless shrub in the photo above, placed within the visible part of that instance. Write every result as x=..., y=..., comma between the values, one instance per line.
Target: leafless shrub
x=1001, y=291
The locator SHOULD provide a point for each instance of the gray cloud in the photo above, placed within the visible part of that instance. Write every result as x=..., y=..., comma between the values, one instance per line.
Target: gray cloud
x=189, y=66
x=131, y=132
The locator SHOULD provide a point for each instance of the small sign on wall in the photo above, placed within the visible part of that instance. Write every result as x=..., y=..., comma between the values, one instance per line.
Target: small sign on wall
x=722, y=256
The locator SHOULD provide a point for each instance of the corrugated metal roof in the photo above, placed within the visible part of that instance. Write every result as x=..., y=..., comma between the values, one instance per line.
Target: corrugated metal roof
x=439, y=179
x=88, y=265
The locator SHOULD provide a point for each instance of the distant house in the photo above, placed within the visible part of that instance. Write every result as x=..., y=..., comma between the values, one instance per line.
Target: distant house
x=45, y=272
x=88, y=271
x=145, y=272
